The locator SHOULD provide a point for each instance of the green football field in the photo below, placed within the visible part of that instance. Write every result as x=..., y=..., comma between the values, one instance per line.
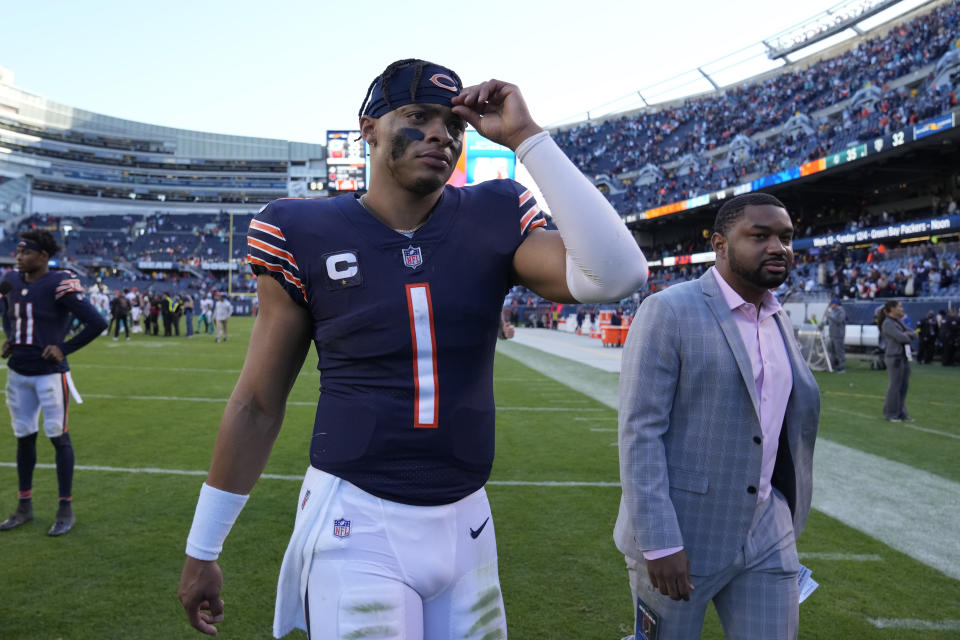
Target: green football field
x=145, y=432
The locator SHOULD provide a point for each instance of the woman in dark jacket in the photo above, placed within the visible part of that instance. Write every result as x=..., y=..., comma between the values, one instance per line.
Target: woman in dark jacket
x=897, y=357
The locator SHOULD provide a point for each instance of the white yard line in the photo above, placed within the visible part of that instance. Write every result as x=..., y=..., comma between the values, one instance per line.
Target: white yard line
x=124, y=367
x=274, y=476
x=908, y=425
x=499, y=408
x=910, y=623
x=312, y=403
x=111, y=396
x=840, y=557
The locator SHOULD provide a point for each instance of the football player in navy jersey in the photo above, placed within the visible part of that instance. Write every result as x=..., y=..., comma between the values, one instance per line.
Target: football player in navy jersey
x=40, y=305
x=401, y=291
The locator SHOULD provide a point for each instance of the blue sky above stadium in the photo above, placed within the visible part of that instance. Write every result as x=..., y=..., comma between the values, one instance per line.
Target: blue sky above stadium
x=293, y=69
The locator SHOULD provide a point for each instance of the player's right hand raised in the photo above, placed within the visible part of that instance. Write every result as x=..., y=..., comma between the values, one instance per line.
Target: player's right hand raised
x=498, y=111
x=199, y=593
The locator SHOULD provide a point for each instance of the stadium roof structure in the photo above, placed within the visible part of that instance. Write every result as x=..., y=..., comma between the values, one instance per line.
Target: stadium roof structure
x=846, y=15
x=830, y=28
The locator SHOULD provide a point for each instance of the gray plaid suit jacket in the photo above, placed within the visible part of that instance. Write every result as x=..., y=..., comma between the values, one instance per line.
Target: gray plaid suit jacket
x=689, y=430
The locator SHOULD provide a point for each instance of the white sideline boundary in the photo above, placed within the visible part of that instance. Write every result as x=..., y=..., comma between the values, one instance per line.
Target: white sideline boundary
x=910, y=510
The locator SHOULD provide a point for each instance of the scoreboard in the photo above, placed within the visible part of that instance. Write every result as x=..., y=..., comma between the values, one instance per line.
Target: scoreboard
x=346, y=161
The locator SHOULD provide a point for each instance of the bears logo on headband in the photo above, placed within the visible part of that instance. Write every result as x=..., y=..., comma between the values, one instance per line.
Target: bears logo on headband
x=444, y=81
x=410, y=81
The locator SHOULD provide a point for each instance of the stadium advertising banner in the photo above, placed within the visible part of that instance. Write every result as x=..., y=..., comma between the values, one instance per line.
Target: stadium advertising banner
x=153, y=264
x=482, y=160
x=889, y=232
x=693, y=258
x=346, y=161
x=934, y=125
x=852, y=154
x=910, y=229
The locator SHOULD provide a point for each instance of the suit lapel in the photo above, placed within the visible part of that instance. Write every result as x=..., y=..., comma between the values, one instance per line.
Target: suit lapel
x=718, y=305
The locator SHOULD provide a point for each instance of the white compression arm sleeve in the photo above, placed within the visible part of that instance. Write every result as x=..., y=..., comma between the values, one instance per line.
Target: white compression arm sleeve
x=604, y=262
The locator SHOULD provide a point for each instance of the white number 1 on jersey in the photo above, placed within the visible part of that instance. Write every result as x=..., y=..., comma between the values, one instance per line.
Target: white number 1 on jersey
x=420, y=308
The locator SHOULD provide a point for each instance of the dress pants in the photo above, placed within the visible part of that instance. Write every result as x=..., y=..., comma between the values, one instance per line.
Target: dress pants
x=838, y=353
x=756, y=596
x=895, y=403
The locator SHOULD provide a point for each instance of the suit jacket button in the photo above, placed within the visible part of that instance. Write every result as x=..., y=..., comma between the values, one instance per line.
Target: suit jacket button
x=756, y=439
x=751, y=489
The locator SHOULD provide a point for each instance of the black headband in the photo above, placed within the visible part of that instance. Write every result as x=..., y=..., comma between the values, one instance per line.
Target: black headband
x=437, y=85
x=30, y=244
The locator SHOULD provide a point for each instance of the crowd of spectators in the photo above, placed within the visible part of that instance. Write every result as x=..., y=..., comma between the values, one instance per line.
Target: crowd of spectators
x=841, y=271
x=867, y=274
x=853, y=273
x=703, y=126
x=184, y=239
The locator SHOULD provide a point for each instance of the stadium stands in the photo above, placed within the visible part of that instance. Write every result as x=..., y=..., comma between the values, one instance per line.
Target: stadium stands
x=878, y=86
x=153, y=202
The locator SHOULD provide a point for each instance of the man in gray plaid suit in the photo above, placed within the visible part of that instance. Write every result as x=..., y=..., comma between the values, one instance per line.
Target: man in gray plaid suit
x=718, y=417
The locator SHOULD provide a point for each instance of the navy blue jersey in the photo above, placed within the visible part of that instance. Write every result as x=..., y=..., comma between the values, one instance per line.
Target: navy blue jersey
x=40, y=313
x=405, y=330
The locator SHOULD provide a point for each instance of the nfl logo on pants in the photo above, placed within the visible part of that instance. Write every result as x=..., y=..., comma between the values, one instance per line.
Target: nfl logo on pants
x=341, y=528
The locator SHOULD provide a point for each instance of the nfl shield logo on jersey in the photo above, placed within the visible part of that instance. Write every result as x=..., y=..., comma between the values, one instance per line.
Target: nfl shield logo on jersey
x=412, y=257
x=341, y=528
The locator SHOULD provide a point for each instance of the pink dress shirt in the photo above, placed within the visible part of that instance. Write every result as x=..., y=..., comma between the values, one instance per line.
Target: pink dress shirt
x=772, y=377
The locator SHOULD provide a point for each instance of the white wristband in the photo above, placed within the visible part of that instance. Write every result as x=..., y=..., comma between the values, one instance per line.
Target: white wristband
x=604, y=262
x=216, y=512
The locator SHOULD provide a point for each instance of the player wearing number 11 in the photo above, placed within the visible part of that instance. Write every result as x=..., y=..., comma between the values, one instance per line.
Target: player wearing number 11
x=39, y=306
x=401, y=291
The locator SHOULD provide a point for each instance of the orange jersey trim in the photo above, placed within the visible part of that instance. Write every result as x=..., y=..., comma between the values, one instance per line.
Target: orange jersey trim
x=267, y=228
x=272, y=250
x=528, y=216
x=289, y=277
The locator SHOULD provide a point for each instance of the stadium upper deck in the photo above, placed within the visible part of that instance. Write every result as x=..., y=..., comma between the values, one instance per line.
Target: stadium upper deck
x=58, y=159
x=891, y=79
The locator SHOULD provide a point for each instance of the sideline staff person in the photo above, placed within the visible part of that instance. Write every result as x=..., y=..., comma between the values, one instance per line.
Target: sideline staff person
x=718, y=416
x=897, y=356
